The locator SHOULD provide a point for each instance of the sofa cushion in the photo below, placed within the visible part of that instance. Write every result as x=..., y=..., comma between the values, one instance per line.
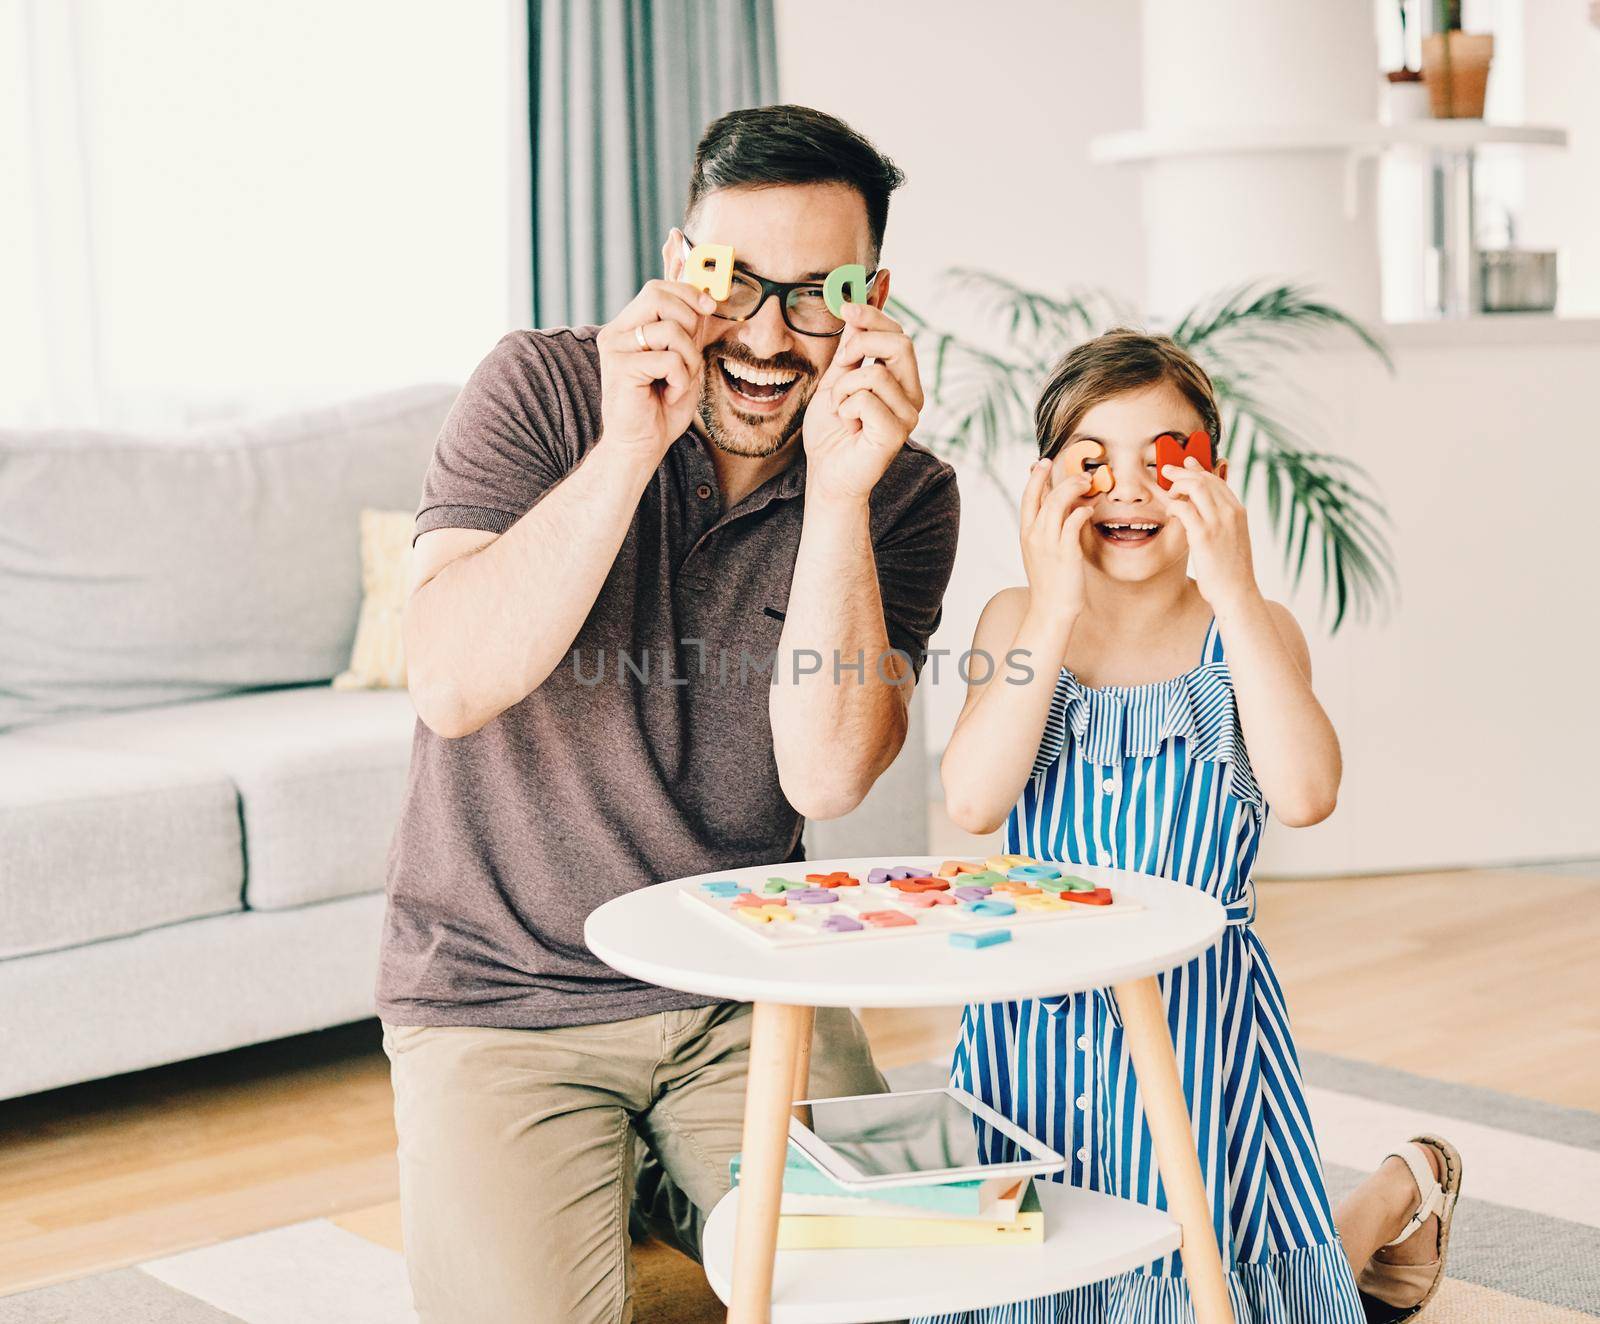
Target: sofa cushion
x=319, y=774
x=149, y=569
x=98, y=843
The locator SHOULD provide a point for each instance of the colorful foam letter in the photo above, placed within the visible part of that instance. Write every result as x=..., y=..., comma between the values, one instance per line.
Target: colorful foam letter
x=838, y=878
x=765, y=915
x=1101, y=896
x=887, y=919
x=1071, y=883
x=846, y=284
x=1016, y=889
x=710, y=268
x=1169, y=450
x=988, y=938
x=722, y=887
x=841, y=924
x=923, y=884
x=1001, y=863
x=812, y=896
x=955, y=868
x=1073, y=459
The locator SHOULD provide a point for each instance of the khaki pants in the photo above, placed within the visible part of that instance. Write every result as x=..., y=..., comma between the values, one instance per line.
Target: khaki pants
x=519, y=1155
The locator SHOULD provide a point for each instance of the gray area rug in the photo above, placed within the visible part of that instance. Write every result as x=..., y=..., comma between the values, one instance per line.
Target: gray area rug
x=126, y=1296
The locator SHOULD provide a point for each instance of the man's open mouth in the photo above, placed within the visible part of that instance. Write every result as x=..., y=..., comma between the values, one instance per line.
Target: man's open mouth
x=1132, y=531
x=760, y=387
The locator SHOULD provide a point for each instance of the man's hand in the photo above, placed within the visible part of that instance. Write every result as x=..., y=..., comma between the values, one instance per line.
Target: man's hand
x=651, y=366
x=861, y=413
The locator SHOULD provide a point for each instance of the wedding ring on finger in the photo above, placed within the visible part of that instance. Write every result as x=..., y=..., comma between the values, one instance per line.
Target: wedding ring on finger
x=638, y=335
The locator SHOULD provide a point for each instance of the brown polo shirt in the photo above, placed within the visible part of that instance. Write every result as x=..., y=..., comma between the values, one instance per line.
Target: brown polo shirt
x=647, y=754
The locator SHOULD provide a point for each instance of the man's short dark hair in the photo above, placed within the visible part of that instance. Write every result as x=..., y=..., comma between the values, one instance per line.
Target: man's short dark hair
x=768, y=145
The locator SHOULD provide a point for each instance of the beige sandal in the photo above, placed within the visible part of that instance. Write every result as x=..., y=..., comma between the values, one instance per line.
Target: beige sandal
x=1394, y=1292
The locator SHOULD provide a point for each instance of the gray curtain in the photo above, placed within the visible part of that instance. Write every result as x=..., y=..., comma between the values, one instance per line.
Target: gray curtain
x=619, y=93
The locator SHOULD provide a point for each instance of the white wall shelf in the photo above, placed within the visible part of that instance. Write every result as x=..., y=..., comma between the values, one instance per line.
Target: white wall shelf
x=1447, y=135
x=1492, y=329
x=1245, y=155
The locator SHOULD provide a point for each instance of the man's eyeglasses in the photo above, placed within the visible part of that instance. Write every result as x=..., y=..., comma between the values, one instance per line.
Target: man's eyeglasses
x=804, y=309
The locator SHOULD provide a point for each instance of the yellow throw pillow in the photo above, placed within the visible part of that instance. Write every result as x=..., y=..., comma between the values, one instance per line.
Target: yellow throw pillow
x=378, y=660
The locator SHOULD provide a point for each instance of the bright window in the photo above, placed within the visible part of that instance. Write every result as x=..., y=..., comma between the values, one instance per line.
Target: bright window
x=230, y=205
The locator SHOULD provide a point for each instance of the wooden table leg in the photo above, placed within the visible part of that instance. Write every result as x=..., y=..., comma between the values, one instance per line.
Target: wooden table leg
x=1144, y=1026
x=802, y=1063
x=780, y=1048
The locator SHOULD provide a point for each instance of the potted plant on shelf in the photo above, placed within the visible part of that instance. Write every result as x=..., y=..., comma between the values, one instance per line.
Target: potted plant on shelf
x=1455, y=65
x=982, y=388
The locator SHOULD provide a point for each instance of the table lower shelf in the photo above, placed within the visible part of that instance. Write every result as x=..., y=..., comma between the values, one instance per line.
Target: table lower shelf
x=1087, y=1237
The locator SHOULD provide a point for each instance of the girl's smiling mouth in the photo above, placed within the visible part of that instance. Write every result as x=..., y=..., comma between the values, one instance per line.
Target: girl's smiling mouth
x=1128, y=532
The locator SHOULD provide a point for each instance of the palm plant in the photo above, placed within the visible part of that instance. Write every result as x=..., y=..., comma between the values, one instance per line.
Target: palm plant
x=982, y=396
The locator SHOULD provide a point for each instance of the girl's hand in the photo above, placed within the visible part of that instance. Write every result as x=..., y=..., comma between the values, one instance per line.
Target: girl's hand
x=1052, y=548
x=1219, y=535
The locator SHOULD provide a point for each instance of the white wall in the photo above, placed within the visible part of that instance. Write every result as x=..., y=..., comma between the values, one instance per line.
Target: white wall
x=1467, y=718
x=989, y=111
x=1563, y=188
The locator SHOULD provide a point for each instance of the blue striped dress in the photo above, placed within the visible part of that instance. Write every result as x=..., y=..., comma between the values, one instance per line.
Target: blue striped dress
x=1155, y=778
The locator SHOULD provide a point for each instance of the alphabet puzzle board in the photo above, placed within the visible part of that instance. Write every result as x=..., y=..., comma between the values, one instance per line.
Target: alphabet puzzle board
x=971, y=904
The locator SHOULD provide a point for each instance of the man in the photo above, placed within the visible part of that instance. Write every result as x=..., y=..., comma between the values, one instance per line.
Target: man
x=624, y=533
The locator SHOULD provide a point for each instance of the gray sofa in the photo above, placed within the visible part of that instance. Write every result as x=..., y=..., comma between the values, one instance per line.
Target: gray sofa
x=193, y=824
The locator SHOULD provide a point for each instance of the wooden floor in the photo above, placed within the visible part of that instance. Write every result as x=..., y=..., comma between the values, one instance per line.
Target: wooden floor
x=1484, y=978
x=1430, y=973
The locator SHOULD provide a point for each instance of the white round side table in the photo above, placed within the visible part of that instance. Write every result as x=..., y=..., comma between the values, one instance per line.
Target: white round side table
x=655, y=935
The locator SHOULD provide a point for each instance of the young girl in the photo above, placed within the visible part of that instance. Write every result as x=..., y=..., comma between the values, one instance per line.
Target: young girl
x=1164, y=715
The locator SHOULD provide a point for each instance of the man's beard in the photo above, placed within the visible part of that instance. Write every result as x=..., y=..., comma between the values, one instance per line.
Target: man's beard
x=751, y=438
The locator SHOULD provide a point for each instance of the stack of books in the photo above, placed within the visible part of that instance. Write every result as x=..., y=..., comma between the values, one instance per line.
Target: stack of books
x=820, y=1214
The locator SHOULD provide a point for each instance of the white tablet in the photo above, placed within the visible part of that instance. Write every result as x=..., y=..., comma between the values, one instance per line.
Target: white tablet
x=916, y=1138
